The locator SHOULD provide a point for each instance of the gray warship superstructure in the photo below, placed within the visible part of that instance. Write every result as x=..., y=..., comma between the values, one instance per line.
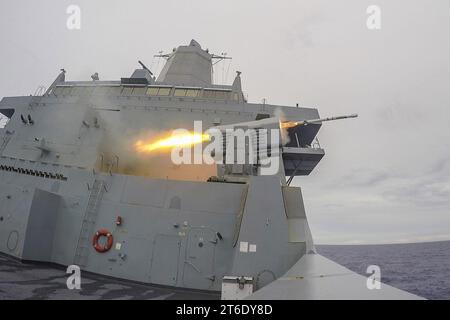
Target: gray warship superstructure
x=73, y=191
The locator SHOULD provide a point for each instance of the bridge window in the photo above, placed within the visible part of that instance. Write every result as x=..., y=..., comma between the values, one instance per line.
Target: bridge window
x=180, y=92
x=158, y=91
x=5, y=116
x=152, y=91
x=221, y=95
x=192, y=93
x=215, y=94
x=139, y=91
x=164, y=91
x=127, y=91
x=209, y=94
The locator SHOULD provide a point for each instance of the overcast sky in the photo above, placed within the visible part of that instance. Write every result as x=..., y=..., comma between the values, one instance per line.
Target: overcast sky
x=385, y=175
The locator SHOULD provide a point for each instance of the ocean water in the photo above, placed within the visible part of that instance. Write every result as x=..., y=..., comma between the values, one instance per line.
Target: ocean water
x=419, y=268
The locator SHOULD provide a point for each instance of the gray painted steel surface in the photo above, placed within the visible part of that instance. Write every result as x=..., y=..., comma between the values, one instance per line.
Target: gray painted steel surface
x=66, y=171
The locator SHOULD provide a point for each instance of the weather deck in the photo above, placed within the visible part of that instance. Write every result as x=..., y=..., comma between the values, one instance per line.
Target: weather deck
x=19, y=280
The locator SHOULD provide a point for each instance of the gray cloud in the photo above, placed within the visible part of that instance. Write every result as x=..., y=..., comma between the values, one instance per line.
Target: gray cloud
x=429, y=190
x=362, y=177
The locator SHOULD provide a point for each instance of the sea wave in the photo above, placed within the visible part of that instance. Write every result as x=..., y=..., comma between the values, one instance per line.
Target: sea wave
x=419, y=268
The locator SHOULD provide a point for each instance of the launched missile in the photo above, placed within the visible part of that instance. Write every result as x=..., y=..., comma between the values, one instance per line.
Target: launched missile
x=291, y=124
x=283, y=124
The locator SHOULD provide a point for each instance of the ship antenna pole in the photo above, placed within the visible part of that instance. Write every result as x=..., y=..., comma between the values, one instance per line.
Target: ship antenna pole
x=144, y=67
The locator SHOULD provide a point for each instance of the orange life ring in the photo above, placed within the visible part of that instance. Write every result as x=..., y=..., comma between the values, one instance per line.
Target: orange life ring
x=109, y=240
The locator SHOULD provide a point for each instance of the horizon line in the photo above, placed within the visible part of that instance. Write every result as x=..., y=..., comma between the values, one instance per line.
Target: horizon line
x=379, y=244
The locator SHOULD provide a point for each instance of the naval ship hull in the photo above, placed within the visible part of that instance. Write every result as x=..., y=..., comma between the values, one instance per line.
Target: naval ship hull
x=167, y=242
x=161, y=240
x=178, y=233
x=72, y=193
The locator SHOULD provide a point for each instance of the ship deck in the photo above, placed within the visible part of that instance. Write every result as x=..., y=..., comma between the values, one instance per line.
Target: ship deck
x=38, y=281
